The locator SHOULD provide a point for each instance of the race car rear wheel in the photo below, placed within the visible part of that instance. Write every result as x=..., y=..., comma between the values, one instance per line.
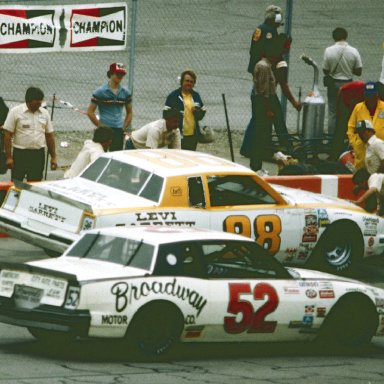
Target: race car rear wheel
x=340, y=248
x=352, y=322
x=155, y=330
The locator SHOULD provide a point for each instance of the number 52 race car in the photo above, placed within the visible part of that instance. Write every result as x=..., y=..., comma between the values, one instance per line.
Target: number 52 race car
x=185, y=188
x=156, y=286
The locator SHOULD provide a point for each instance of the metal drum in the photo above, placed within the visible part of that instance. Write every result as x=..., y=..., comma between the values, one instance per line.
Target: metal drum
x=313, y=117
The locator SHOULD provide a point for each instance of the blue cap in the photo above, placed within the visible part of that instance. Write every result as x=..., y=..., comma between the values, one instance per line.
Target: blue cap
x=370, y=88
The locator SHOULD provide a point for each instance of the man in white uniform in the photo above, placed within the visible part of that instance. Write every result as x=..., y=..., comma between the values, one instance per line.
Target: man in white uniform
x=163, y=133
x=92, y=149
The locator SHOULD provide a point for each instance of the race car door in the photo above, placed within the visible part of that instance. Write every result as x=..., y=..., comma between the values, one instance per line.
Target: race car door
x=238, y=204
x=251, y=297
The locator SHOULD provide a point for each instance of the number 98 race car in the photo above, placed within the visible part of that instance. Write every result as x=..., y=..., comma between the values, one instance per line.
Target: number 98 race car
x=157, y=286
x=185, y=188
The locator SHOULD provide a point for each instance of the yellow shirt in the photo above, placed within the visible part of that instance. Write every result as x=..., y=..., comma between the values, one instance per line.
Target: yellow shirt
x=361, y=112
x=189, y=118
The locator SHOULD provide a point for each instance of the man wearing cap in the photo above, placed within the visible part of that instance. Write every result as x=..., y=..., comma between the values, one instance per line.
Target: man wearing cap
x=371, y=110
x=264, y=34
x=112, y=99
x=374, y=147
x=341, y=63
x=162, y=133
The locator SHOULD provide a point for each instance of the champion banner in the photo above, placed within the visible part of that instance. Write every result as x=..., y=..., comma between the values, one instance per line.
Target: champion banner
x=84, y=27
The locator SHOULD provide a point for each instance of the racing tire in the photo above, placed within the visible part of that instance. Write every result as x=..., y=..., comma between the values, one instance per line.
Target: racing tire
x=155, y=330
x=339, y=249
x=352, y=322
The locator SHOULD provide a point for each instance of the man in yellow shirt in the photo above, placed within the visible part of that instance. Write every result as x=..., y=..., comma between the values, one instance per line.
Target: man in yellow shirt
x=372, y=109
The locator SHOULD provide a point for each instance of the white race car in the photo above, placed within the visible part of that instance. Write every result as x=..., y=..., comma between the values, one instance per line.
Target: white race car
x=155, y=286
x=184, y=188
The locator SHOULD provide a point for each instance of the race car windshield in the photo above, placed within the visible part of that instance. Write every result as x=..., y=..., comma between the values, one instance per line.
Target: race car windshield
x=119, y=250
x=125, y=177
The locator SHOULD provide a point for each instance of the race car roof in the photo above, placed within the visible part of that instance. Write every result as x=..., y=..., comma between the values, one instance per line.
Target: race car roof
x=174, y=162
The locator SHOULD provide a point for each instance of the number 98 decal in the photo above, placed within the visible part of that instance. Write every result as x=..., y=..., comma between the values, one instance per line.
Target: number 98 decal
x=267, y=229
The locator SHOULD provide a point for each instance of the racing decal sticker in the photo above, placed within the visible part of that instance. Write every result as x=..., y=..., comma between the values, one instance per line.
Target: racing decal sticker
x=193, y=331
x=322, y=217
x=176, y=191
x=321, y=311
x=370, y=224
x=311, y=293
x=126, y=293
x=47, y=211
x=161, y=218
x=251, y=321
x=326, y=294
x=311, y=228
x=114, y=320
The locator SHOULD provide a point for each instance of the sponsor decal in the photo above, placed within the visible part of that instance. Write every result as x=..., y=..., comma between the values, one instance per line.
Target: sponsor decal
x=379, y=305
x=322, y=217
x=301, y=323
x=371, y=242
x=126, y=293
x=306, y=284
x=326, y=294
x=161, y=218
x=311, y=293
x=193, y=331
x=370, y=224
x=321, y=311
x=114, y=320
x=308, y=320
x=48, y=211
x=291, y=290
x=176, y=191
x=309, y=309
x=311, y=228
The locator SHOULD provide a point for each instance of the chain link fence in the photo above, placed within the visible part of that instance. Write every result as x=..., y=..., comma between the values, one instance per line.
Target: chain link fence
x=211, y=37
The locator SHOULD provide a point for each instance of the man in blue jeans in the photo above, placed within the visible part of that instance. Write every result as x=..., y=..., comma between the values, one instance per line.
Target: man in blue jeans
x=112, y=99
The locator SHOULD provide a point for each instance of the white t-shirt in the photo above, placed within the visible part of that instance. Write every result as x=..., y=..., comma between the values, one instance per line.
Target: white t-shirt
x=155, y=135
x=376, y=180
x=89, y=153
x=341, y=59
x=374, y=154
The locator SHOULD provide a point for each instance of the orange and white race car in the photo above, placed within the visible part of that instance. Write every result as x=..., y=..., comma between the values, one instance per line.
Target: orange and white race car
x=184, y=188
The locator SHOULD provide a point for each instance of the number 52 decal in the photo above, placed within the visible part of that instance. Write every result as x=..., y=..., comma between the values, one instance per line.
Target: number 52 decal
x=250, y=322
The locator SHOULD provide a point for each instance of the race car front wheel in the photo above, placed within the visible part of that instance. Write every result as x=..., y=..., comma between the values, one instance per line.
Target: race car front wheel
x=155, y=330
x=340, y=248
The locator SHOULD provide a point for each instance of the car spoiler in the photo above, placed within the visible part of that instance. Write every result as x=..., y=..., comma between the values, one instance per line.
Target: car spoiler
x=53, y=195
x=23, y=267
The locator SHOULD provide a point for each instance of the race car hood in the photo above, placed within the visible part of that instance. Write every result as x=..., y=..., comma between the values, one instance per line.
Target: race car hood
x=299, y=196
x=80, y=190
x=299, y=273
x=87, y=269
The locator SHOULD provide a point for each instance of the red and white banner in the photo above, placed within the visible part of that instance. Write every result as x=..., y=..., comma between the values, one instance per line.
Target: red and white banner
x=84, y=27
x=332, y=185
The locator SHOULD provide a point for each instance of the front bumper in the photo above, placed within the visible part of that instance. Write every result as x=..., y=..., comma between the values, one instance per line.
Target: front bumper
x=74, y=322
x=54, y=242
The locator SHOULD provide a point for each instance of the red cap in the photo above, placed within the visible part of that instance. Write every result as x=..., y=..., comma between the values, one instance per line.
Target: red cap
x=117, y=68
